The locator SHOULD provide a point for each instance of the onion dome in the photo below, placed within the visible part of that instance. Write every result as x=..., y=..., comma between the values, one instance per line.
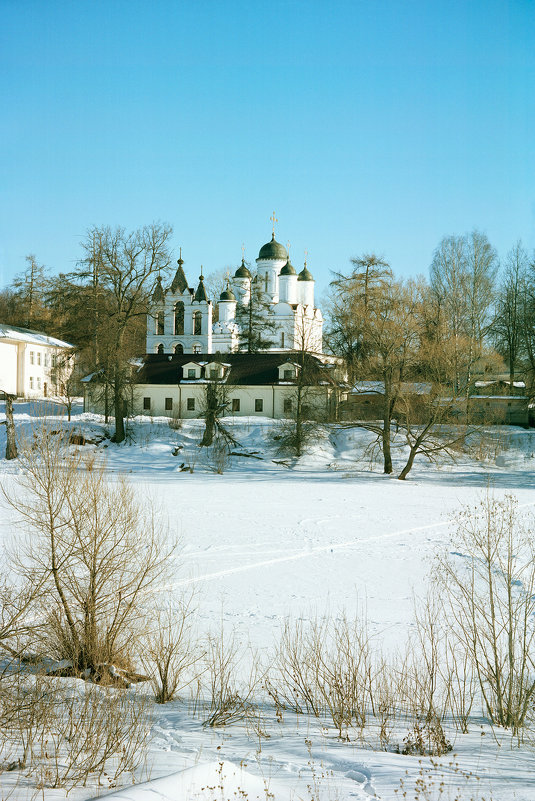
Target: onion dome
x=200, y=294
x=242, y=271
x=305, y=274
x=158, y=296
x=273, y=250
x=288, y=269
x=228, y=294
x=179, y=281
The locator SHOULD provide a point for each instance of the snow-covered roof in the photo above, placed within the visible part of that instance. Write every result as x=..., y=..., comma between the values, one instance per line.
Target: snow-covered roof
x=32, y=337
x=378, y=387
x=519, y=384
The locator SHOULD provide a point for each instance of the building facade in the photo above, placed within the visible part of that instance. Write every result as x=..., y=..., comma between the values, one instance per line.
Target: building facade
x=182, y=316
x=32, y=364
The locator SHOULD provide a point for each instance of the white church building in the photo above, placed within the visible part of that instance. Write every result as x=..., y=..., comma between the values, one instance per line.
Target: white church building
x=187, y=348
x=182, y=318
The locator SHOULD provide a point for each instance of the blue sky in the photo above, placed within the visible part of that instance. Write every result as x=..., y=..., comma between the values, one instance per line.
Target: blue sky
x=367, y=126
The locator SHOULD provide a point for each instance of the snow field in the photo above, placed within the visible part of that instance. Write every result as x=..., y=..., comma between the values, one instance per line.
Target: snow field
x=263, y=543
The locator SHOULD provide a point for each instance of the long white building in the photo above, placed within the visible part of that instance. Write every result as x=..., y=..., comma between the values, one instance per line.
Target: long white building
x=32, y=364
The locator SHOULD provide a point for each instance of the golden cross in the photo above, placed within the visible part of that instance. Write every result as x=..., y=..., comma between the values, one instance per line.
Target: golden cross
x=273, y=220
x=227, y=276
x=243, y=251
x=306, y=254
x=288, y=245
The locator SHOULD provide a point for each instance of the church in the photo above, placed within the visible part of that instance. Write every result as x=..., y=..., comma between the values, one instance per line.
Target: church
x=192, y=342
x=182, y=320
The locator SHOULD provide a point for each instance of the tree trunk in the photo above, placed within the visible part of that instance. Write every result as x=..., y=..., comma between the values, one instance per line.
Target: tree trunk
x=118, y=405
x=11, y=445
x=387, y=418
x=410, y=461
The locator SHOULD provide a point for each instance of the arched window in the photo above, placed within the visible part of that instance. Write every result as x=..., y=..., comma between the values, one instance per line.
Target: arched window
x=282, y=339
x=197, y=322
x=179, y=348
x=179, y=317
x=160, y=323
x=266, y=282
x=159, y=349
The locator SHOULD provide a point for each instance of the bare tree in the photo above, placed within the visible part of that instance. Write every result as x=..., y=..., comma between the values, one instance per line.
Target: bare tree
x=91, y=552
x=128, y=264
x=490, y=595
x=11, y=441
x=508, y=323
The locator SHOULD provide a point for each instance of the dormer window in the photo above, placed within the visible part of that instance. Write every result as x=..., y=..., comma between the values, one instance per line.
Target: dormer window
x=288, y=371
x=289, y=375
x=191, y=373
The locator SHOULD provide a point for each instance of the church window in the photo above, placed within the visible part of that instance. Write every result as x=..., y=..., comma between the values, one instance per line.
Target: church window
x=235, y=404
x=266, y=282
x=38, y=382
x=160, y=324
x=282, y=339
x=191, y=372
x=289, y=375
x=146, y=404
x=160, y=349
x=259, y=405
x=196, y=348
x=168, y=404
x=31, y=357
x=179, y=317
x=31, y=382
x=38, y=358
x=179, y=348
x=197, y=322
x=190, y=404
x=287, y=405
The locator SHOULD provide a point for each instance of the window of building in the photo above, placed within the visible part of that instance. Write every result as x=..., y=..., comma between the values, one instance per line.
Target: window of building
x=282, y=339
x=38, y=357
x=235, y=404
x=179, y=318
x=197, y=322
x=259, y=405
x=54, y=360
x=190, y=404
x=38, y=383
x=191, y=372
x=31, y=382
x=45, y=358
x=160, y=349
x=288, y=375
x=168, y=404
x=32, y=357
x=288, y=405
x=146, y=403
x=196, y=348
x=266, y=282
x=214, y=373
x=179, y=348
x=160, y=324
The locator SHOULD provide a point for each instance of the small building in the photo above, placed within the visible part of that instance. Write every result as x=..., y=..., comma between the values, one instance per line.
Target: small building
x=264, y=384
x=32, y=364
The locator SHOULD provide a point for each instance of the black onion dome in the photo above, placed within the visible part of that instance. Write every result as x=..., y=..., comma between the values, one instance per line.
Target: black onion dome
x=305, y=275
x=273, y=250
x=242, y=271
x=288, y=269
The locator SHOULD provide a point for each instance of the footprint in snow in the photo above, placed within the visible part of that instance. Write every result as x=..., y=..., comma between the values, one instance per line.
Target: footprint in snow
x=363, y=778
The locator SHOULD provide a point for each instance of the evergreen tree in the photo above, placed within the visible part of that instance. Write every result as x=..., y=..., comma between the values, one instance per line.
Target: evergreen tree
x=256, y=321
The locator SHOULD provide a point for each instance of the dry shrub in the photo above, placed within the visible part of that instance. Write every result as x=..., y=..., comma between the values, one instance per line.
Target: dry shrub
x=171, y=654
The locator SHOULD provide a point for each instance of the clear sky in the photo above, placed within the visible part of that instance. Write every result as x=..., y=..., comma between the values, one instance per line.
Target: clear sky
x=367, y=125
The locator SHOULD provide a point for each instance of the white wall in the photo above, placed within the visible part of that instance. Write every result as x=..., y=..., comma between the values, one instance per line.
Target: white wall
x=8, y=368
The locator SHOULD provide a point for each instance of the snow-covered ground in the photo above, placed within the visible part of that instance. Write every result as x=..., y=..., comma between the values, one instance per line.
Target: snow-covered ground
x=268, y=540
